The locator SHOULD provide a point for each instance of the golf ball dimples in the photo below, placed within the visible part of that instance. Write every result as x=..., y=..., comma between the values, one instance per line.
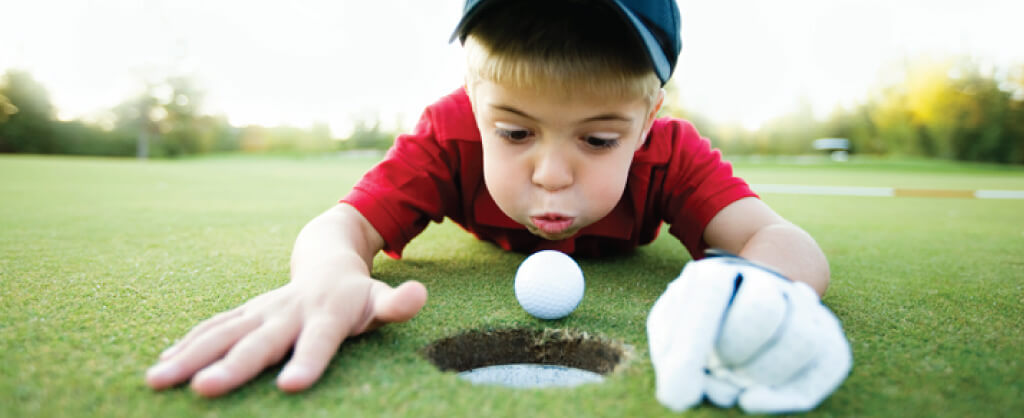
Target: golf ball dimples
x=549, y=284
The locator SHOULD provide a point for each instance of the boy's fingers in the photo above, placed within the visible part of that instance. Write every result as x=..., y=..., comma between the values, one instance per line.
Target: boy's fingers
x=317, y=342
x=208, y=324
x=398, y=304
x=720, y=391
x=681, y=343
x=197, y=330
x=816, y=382
x=201, y=351
x=253, y=353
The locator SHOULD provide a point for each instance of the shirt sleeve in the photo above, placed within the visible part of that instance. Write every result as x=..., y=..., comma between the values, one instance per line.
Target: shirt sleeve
x=410, y=187
x=698, y=184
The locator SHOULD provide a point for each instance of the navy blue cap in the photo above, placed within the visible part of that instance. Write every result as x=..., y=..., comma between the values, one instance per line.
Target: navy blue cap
x=655, y=24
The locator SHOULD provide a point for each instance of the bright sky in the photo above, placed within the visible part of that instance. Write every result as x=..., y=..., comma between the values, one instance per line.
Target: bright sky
x=335, y=61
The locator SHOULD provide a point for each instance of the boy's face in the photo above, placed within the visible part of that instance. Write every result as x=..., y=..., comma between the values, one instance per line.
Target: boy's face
x=553, y=164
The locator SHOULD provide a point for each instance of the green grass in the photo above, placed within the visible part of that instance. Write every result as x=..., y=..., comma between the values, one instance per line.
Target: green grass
x=105, y=262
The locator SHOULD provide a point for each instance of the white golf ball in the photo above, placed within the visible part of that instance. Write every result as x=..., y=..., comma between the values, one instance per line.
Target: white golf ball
x=549, y=284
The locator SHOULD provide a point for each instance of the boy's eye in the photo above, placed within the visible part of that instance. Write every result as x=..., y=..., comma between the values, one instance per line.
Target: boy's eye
x=601, y=141
x=514, y=135
x=511, y=132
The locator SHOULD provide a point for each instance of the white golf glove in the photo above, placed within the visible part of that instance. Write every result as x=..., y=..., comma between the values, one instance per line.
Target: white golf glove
x=734, y=331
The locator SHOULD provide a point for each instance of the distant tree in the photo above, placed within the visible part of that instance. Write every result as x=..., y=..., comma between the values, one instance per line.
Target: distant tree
x=26, y=115
x=77, y=137
x=855, y=125
x=167, y=120
x=790, y=133
x=186, y=128
x=367, y=135
x=318, y=139
x=6, y=108
x=947, y=108
x=961, y=112
x=140, y=118
x=1015, y=115
x=982, y=120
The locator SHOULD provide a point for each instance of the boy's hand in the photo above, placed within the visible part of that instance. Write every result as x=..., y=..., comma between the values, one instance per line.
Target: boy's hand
x=735, y=331
x=232, y=347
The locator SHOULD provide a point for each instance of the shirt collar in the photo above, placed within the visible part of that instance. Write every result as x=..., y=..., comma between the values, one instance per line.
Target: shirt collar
x=656, y=150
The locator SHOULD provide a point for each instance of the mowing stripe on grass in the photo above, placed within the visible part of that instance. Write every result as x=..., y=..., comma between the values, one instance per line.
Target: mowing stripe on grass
x=886, y=191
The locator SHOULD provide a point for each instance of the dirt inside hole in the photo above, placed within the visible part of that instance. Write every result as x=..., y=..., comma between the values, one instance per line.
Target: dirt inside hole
x=565, y=347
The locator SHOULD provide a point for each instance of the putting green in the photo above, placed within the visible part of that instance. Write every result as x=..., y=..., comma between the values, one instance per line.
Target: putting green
x=104, y=262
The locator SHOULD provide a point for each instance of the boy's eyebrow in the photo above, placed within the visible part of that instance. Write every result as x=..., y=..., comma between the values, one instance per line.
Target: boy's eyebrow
x=608, y=116
x=601, y=117
x=511, y=109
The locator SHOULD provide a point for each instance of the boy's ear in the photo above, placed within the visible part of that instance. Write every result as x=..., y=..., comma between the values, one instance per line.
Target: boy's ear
x=465, y=85
x=651, y=116
x=660, y=100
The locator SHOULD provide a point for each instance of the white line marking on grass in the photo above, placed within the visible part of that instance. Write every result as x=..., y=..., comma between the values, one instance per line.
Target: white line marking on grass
x=885, y=191
x=999, y=194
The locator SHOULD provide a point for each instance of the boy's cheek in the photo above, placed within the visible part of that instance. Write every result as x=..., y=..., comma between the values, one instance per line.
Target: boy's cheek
x=499, y=164
x=501, y=180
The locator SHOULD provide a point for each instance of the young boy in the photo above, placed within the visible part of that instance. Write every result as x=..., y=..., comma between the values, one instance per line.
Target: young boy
x=553, y=143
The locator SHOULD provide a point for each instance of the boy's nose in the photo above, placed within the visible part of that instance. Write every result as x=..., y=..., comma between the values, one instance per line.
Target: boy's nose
x=552, y=171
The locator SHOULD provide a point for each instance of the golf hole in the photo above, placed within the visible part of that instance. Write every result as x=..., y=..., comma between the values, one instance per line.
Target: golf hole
x=526, y=358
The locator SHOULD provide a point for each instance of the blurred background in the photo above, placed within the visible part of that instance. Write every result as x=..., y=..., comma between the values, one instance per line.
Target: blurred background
x=155, y=79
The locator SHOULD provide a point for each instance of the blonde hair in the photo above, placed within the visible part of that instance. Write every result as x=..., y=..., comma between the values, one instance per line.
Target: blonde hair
x=559, y=47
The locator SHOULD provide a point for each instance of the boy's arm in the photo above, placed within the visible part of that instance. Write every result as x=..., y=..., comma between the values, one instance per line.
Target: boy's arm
x=750, y=228
x=331, y=296
x=342, y=240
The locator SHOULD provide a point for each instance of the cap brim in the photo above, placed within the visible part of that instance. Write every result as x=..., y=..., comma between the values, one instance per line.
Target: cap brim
x=467, y=17
x=658, y=60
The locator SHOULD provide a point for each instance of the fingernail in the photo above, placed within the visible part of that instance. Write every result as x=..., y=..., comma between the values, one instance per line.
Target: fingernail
x=292, y=373
x=215, y=372
x=162, y=371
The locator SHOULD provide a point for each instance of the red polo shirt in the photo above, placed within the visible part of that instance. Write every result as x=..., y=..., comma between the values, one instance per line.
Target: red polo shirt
x=437, y=172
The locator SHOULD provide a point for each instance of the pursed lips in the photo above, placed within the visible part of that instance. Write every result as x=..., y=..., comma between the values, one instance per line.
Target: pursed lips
x=552, y=223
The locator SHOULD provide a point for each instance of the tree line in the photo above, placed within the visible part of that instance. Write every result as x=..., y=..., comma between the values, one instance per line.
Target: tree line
x=164, y=120
x=953, y=109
